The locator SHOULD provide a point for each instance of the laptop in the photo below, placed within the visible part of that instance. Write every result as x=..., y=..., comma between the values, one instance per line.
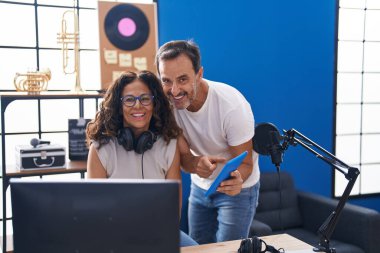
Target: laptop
x=95, y=215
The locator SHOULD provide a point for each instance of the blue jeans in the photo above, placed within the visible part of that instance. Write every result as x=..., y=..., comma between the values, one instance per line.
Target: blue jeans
x=221, y=217
x=185, y=240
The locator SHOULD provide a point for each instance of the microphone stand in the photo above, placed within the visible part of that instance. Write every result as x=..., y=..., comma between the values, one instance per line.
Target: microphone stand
x=293, y=137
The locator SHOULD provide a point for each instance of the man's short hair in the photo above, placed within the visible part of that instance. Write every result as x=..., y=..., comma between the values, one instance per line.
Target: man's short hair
x=173, y=49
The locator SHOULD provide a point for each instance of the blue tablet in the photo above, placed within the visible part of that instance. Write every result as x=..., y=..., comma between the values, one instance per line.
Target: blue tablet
x=230, y=166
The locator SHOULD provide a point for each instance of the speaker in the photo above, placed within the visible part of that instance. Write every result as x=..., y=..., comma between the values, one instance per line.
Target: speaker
x=143, y=143
x=128, y=38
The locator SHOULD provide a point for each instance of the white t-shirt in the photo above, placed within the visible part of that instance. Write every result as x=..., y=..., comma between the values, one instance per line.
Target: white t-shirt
x=225, y=119
x=120, y=163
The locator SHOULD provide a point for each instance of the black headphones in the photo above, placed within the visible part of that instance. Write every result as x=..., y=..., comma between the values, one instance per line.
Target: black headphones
x=145, y=141
x=254, y=245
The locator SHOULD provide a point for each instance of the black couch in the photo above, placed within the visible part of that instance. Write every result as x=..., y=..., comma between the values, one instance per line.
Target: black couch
x=300, y=214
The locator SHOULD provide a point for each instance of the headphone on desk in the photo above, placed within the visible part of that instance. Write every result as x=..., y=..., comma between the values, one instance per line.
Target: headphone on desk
x=255, y=244
x=145, y=141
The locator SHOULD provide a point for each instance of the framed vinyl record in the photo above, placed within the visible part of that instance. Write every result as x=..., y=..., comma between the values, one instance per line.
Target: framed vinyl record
x=126, y=27
x=128, y=38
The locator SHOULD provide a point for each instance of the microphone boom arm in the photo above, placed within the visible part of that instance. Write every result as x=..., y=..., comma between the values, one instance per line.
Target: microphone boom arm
x=293, y=137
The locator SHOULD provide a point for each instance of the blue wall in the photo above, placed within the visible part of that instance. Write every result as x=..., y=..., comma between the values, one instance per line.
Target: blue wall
x=281, y=56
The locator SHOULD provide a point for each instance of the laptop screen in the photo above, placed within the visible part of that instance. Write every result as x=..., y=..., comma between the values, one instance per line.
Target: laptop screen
x=95, y=215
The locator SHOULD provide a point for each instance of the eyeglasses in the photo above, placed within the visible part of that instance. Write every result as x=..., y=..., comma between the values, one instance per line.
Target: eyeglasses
x=130, y=101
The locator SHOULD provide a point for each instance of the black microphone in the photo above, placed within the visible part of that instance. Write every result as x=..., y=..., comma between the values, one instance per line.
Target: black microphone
x=266, y=141
x=35, y=142
x=276, y=150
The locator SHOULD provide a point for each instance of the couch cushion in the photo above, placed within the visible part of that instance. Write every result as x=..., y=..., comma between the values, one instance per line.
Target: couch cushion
x=259, y=228
x=278, y=211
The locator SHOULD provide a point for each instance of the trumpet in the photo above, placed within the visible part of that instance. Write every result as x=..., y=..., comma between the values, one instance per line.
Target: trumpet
x=32, y=81
x=66, y=38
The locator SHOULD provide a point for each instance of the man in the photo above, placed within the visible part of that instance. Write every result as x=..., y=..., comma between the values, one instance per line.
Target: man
x=218, y=124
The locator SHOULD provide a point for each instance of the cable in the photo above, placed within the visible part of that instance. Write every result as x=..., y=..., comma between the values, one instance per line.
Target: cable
x=280, y=192
x=142, y=165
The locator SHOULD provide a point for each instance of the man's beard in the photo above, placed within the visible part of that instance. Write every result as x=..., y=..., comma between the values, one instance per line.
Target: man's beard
x=189, y=100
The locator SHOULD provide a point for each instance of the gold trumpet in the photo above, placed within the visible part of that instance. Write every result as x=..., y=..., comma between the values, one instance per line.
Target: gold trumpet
x=32, y=81
x=70, y=38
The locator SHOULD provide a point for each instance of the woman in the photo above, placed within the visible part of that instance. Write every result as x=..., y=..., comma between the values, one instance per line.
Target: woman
x=134, y=134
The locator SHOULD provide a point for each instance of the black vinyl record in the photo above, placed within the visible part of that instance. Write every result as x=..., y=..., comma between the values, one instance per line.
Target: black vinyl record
x=126, y=27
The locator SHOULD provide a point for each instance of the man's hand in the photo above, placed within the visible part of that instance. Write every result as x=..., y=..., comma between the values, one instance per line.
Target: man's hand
x=233, y=185
x=207, y=164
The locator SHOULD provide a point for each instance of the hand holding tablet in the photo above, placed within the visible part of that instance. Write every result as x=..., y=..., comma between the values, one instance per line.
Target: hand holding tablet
x=230, y=166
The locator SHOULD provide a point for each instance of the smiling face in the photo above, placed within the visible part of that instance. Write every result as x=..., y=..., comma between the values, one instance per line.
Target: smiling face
x=138, y=116
x=179, y=81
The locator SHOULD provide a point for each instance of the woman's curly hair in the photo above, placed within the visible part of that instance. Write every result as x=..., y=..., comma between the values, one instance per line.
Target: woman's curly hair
x=109, y=119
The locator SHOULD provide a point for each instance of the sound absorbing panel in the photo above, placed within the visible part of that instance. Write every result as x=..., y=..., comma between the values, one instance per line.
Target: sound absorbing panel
x=128, y=39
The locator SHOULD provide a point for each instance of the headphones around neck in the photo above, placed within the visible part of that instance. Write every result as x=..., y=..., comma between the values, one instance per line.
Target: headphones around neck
x=144, y=142
x=254, y=245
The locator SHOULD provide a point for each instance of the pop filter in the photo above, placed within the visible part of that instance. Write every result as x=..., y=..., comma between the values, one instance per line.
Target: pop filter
x=263, y=138
x=266, y=141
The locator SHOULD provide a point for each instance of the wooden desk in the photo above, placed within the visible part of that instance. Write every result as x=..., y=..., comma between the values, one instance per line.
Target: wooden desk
x=278, y=241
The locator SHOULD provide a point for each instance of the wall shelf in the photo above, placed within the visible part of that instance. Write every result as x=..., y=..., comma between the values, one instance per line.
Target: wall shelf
x=10, y=171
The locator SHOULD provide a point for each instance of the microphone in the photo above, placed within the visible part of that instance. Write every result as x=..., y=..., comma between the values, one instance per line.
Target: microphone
x=35, y=142
x=266, y=141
